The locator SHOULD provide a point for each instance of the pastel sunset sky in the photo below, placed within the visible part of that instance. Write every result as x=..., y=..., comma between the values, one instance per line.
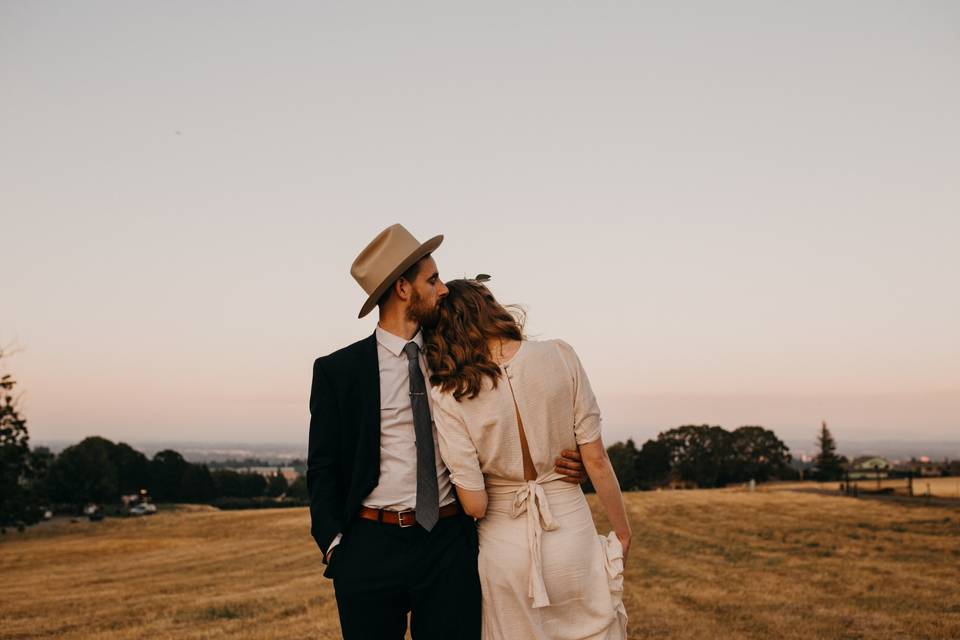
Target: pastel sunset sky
x=738, y=213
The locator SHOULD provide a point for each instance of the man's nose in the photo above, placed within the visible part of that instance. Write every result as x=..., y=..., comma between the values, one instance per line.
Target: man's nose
x=443, y=290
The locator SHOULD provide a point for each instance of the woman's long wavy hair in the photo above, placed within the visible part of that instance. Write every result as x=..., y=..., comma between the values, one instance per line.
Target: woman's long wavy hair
x=457, y=348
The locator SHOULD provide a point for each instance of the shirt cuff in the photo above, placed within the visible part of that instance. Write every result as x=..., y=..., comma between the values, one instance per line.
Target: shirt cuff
x=335, y=542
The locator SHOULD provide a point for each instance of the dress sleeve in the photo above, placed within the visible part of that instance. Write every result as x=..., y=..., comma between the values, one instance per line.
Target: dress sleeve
x=457, y=448
x=586, y=411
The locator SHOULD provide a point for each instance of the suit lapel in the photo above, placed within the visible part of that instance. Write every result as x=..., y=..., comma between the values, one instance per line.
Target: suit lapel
x=370, y=374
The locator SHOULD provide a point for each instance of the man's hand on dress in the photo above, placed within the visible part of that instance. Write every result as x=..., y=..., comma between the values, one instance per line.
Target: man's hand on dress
x=570, y=465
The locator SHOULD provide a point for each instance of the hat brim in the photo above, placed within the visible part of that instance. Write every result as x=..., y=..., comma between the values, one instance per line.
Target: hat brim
x=427, y=247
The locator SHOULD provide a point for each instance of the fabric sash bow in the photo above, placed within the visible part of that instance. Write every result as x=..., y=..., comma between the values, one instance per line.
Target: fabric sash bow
x=532, y=499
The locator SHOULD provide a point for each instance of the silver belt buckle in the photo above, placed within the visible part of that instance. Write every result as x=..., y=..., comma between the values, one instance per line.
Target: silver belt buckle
x=400, y=515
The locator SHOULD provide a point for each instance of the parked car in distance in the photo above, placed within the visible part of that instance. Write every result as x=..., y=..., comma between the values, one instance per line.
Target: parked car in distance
x=143, y=509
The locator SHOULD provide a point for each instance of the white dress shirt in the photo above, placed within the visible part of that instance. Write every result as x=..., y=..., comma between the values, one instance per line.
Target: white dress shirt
x=397, y=487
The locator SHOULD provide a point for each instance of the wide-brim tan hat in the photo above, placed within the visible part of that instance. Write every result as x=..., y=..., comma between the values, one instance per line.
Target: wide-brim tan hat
x=392, y=252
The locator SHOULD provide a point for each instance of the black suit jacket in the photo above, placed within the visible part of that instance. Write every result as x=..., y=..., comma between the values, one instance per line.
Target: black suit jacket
x=343, y=460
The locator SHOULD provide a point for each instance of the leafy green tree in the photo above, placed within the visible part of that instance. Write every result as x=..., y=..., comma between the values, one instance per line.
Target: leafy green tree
x=197, y=484
x=85, y=472
x=298, y=488
x=42, y=461
x=166, y=475
x=277, y=485
x=133, y=468
x=828, y=466
x=232, y=484
x=252, y=485
x=700, y=454
x=19, y=499
x=758, y=454
x=653, y=464
x=623, y=458
x=227, y=483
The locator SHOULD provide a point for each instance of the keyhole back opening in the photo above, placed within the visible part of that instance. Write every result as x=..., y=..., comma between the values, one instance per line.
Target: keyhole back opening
x=529, y=471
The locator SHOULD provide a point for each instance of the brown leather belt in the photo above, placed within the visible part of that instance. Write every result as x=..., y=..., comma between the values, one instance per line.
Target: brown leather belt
x=406, y=518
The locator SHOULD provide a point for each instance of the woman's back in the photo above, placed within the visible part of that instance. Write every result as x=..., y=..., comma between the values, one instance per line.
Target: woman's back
x=544, y=572
x=543, y=390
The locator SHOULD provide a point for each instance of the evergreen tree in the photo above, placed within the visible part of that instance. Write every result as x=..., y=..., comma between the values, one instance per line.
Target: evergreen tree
x=827, y=464
x=19, y=500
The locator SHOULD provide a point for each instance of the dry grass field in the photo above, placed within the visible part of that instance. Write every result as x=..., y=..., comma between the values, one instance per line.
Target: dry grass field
x=705, y=564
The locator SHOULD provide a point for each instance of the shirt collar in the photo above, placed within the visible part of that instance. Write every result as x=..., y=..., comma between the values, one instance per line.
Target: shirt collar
x=395, y=344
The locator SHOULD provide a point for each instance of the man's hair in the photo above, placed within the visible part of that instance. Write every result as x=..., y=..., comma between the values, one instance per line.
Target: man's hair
x=409, y=275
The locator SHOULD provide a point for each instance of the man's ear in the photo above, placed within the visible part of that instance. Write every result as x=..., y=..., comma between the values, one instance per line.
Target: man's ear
x=402, y=288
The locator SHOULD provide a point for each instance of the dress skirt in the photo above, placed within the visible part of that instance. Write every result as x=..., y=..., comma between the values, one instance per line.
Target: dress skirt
x=545, y=572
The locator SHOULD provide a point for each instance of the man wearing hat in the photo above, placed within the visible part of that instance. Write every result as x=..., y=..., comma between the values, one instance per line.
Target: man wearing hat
x=382, y=508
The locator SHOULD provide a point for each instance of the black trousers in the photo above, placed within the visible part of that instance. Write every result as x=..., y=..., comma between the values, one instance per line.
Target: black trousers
x=382, y=572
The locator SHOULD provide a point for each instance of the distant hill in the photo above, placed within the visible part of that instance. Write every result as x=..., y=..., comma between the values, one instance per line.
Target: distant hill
x=894, y=449
x=282, y=452
x=198, y=452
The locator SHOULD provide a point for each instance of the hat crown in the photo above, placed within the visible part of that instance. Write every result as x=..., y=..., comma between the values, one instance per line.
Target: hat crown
x=379, y=258
x=392, y=252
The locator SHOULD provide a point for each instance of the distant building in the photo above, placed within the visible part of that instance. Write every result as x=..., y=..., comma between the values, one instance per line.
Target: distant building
x=922, y=468
x=869, y=467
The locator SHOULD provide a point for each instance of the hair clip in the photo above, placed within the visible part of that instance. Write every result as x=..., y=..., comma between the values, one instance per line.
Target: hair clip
x=482, y=277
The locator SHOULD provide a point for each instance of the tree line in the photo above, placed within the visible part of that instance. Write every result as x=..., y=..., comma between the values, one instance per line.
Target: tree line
x=701, y=456
x=98, y=470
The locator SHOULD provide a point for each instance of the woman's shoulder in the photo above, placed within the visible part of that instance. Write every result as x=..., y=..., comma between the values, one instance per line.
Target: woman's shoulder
x=443, y=400
x=554, y=355
x=551, y=347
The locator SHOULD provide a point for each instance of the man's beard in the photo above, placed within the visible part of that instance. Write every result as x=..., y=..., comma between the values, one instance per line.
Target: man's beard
x=421, y=312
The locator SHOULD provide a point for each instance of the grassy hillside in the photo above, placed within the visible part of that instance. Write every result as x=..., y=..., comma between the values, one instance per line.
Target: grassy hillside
x=705, y=564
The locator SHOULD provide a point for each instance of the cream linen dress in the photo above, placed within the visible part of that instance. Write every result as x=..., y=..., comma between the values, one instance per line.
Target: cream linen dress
x=545, y=572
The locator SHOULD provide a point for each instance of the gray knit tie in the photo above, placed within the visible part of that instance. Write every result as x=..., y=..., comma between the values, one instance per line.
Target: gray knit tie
x=428, y=494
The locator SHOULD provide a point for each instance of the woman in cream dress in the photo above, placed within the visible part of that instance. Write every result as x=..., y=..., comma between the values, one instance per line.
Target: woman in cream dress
x=504, y=408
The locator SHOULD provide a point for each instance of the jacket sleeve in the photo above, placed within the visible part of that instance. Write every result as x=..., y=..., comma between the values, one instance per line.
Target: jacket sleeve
x=324, y=480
